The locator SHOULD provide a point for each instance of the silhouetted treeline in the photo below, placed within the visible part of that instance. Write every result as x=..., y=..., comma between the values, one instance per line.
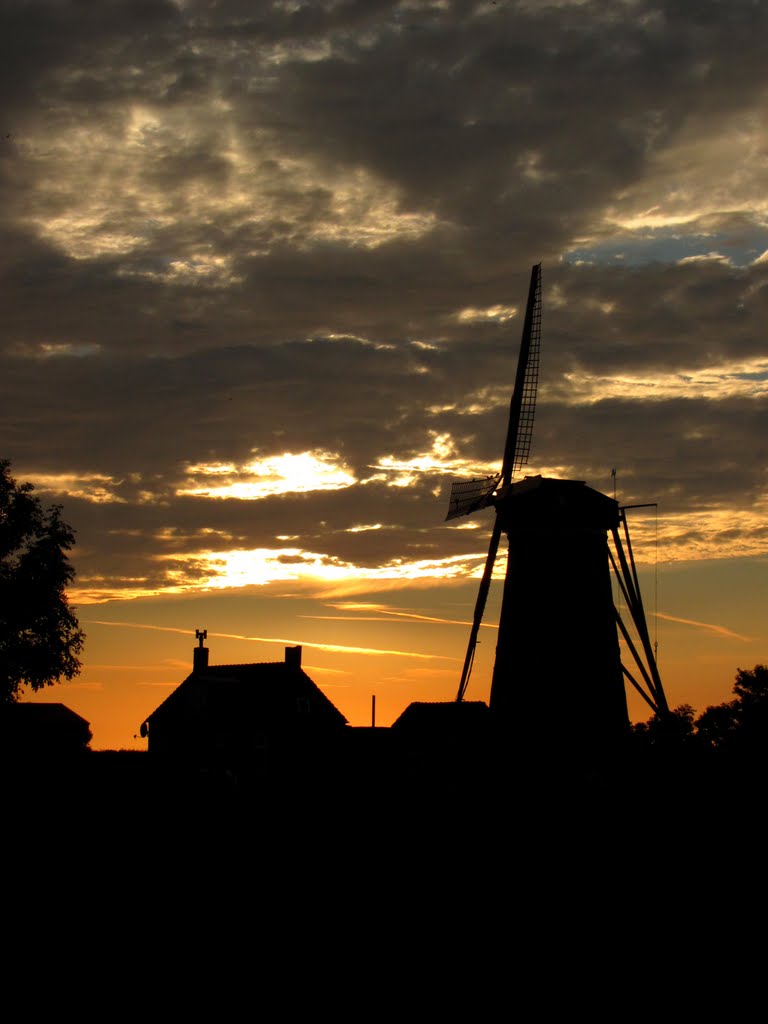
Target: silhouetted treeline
x=736, y=729
x=712, y=767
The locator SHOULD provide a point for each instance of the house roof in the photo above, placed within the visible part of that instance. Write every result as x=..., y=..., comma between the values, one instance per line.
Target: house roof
x=442, y=717
x=246, y=689
x=28, y=715
x=50, y=725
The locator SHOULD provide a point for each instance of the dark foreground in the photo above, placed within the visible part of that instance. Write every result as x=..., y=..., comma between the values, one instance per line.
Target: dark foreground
x=460, y=814
x=427, y=888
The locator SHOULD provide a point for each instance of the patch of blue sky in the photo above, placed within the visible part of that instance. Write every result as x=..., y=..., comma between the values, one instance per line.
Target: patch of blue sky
x=670, y=245
x=759, y=375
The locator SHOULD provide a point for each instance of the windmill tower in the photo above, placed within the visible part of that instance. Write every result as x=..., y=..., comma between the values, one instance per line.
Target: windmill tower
x=558, y=679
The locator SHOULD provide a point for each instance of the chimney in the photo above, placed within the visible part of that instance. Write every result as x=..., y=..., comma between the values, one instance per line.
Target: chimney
x=293, y=657
x=200, y=653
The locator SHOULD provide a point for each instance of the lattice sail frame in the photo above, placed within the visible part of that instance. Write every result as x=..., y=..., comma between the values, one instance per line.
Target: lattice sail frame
x=529, y=384
x=468, y=496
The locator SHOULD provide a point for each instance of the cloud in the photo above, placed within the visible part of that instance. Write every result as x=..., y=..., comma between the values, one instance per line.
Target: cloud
x=263, y=276
x=336, y=648
x=721, y=631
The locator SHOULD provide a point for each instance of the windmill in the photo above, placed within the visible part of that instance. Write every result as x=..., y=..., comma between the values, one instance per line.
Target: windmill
x=558, y=667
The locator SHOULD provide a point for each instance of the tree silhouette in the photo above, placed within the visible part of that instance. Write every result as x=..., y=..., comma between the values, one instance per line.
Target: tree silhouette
x=718, y=727
x=669, y=731
x=40, y=637
x=739, y=725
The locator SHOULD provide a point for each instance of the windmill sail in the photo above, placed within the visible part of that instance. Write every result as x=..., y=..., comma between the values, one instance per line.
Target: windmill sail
x=471, y=495
x=523, y=403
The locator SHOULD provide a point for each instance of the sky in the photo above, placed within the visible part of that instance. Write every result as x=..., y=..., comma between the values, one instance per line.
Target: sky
x=264, y=267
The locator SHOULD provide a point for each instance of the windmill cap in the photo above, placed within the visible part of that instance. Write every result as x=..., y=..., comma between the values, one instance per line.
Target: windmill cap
x=539, y=501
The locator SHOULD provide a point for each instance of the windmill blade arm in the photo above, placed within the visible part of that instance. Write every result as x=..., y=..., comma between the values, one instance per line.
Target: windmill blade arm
x=482, y=597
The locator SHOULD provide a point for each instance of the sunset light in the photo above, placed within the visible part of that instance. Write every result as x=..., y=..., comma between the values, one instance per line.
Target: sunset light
x=268, y=279
x=305, y=471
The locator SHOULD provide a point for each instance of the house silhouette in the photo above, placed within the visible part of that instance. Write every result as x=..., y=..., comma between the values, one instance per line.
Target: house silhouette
x=438, y=726
x=42, y=731
x=244, y=718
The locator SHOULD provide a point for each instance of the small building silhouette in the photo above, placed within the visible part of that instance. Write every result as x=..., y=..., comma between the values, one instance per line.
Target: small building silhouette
x=445, y=727
x=42, y=731
x=244, y=717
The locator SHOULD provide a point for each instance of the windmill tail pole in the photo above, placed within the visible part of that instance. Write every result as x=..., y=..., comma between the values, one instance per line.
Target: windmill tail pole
x=626, y=574
x=643, y=626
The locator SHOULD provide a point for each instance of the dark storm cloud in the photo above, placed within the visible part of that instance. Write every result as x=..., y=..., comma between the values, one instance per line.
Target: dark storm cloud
x=685, y=453
x=451, y=106
x=141, y=415
x=544, y=111
x=654, y=317
x=225, y=230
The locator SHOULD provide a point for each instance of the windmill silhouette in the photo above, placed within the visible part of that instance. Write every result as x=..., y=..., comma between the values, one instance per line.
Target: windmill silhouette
x=558, y=675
